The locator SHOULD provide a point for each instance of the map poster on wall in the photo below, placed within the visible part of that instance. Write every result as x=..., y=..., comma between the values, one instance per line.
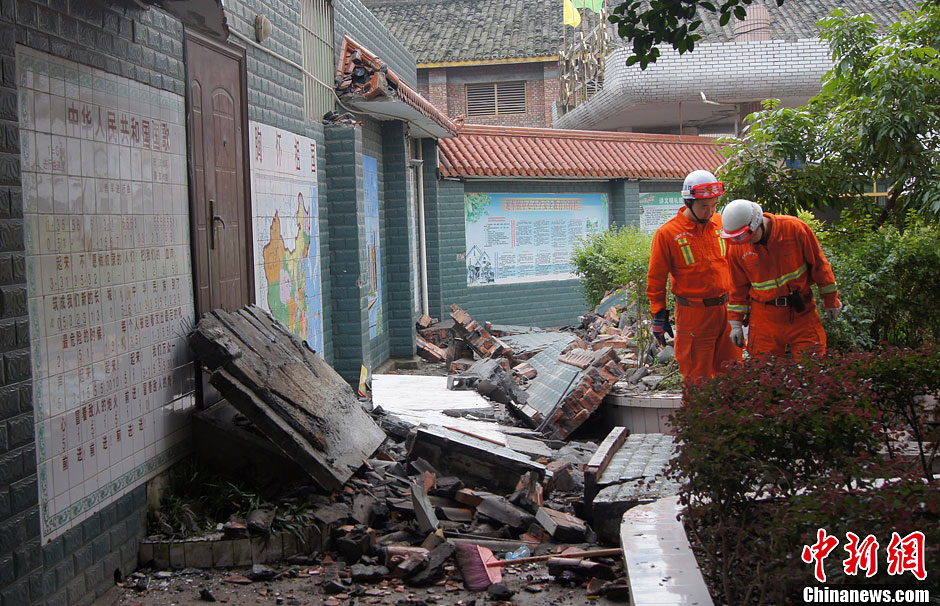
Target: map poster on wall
x=517, y=238
x=287, y=230
x=109, y=283
x=657, y=208
x=370, y=177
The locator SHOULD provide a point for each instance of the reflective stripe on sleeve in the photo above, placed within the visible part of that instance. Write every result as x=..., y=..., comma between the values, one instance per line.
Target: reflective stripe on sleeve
x=772, y=284
x=686, y=250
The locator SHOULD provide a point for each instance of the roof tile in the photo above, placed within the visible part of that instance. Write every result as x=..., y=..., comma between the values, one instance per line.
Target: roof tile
x=497, y=151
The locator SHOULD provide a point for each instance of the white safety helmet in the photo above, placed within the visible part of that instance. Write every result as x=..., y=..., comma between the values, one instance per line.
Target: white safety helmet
x=740, y=220
x=700, y=184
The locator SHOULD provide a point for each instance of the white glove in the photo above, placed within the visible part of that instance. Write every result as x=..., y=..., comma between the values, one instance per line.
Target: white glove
x=834, y=312
x=737, y=333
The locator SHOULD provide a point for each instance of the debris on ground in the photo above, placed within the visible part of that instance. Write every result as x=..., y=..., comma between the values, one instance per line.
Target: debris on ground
x=400, y=504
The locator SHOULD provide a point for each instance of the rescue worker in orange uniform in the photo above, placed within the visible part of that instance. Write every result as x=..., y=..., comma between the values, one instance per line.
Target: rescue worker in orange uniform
x=774, y=261
x=689, y=250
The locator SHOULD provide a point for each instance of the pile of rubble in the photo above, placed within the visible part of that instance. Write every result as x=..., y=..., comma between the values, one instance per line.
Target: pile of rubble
x=552, y=380
x=428, y=505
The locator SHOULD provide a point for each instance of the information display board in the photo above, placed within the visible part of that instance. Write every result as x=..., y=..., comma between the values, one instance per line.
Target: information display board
x=518, y=238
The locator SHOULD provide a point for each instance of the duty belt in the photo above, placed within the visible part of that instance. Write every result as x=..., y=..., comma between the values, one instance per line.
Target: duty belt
x=784, y=301
x=702, y=302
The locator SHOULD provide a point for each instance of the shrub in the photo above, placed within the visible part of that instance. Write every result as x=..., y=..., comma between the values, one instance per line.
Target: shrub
x=611, y=259
x=907, y=382
x=903, y=506
x=771, y=426
x=777, y=448
x=888, y=282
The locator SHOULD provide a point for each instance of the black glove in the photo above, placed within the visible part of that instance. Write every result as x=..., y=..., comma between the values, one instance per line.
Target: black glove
x=661, y=326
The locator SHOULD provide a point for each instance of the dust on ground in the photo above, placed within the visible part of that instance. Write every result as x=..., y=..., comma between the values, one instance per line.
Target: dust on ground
x=530, y=583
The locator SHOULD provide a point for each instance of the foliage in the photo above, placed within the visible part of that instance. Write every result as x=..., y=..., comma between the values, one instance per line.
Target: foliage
x=888, y=282
x=475, y=206
x=647, y=23
x=777, y=448
x=876, y=118
x=780, y=423
x=905, y=505
x=196, y=500
x=608, y=260
x=901, y=378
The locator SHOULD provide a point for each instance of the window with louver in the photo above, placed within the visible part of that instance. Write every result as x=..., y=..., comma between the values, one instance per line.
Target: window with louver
x=496, y=98
x=316, y=21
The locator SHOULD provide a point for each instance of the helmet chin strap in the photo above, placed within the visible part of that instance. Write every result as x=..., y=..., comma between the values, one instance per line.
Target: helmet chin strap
x=764, y=233
x=697, y=220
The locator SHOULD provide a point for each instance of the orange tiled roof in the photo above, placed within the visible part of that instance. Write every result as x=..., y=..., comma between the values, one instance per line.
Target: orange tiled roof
x=498, y=151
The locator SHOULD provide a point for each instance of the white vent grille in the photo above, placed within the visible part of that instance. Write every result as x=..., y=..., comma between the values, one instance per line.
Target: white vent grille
x=316, y=22
x=496, y=98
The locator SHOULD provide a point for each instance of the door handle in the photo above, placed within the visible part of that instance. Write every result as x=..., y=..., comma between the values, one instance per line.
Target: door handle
x=213, y=218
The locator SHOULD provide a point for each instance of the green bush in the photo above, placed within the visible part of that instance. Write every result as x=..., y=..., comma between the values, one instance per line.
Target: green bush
x=889, y=283
x=608, y=260
x=774, y=449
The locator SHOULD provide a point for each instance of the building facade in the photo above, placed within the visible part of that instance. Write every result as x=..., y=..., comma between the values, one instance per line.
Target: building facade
x=157, y=165
x=775, y=53
x=484, y=62
x=511, y=204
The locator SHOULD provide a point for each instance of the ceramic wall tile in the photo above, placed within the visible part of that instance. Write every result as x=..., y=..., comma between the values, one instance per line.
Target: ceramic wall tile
x=108, y=276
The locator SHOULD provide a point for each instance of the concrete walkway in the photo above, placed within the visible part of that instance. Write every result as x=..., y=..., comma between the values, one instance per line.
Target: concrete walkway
x=661, y=568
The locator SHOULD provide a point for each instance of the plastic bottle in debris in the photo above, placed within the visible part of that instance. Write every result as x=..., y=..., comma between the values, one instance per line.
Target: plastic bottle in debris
x=522, y=552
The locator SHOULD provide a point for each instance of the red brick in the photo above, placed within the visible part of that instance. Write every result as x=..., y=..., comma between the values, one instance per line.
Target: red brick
x=429, y=351
x=580, y=418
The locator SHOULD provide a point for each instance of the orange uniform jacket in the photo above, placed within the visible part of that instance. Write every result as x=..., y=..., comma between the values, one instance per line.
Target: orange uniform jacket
x=696, y=258
x=791, y=260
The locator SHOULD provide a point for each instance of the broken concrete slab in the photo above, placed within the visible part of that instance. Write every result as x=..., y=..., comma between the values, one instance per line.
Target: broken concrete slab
x=473, y=459
x=492, y=379
x=527, y=446
x=290, y=393
x=423, y=509
x=500, y=509
x=625, y=472
x=424, y=400
x=433, y=568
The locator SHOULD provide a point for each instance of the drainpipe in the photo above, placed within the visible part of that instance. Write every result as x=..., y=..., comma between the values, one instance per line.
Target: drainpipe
x=417, y=164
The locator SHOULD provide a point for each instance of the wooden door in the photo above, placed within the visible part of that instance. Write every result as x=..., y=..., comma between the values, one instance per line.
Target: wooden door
x=221, y=221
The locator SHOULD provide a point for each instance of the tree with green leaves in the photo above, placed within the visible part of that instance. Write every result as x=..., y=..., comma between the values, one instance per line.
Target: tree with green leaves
x=649, y=23
x=877, y=118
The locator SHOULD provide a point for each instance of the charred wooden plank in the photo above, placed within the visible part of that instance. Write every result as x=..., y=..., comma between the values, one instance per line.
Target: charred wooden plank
x=291, y=394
